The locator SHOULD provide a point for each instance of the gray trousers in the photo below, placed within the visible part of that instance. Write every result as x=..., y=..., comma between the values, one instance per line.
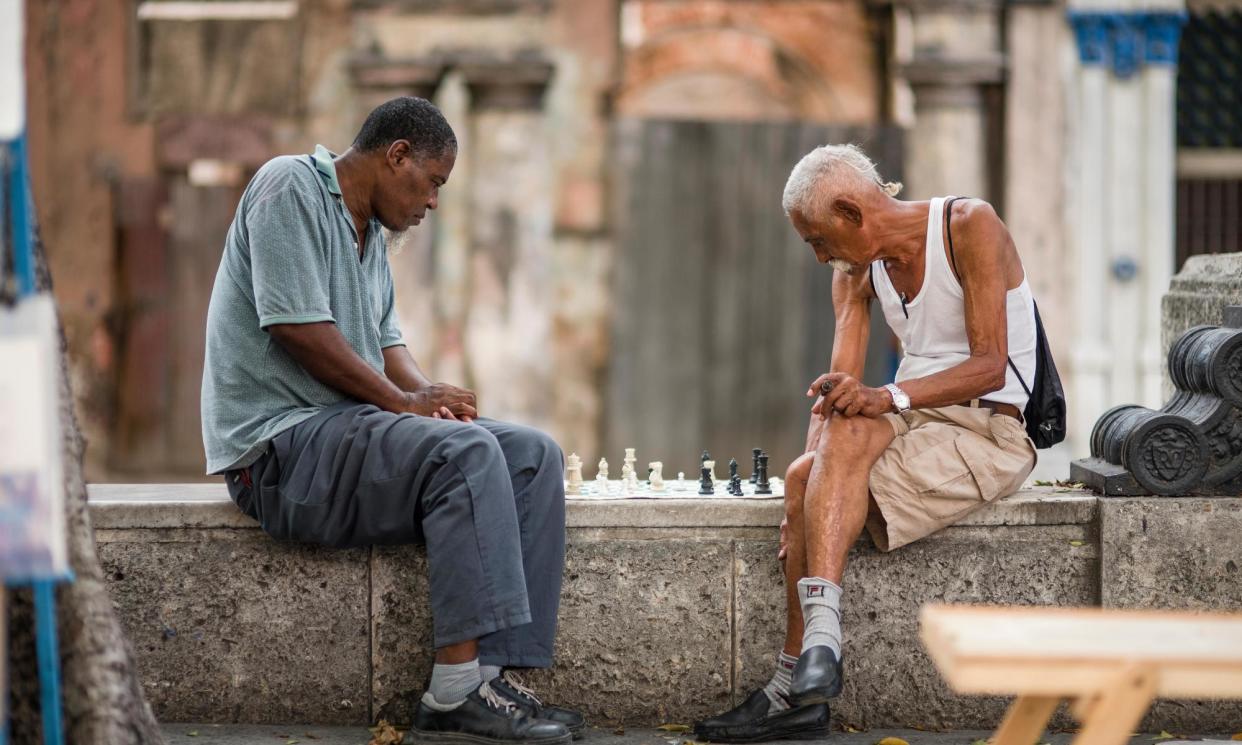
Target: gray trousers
x=487, y=499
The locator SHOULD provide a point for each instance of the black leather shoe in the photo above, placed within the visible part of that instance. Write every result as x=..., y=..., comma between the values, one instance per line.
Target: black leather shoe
x=750, y=722
x=509, y=686
x=485, y=718
x=817, y=677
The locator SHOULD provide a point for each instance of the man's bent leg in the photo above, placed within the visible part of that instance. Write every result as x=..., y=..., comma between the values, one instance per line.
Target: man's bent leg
x=535, y=469
x=795, y=548
x=836, y=492
x=536, y=465
x=835, y=511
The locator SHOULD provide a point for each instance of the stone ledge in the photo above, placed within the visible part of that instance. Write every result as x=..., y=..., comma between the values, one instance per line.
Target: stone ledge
x=125, y=506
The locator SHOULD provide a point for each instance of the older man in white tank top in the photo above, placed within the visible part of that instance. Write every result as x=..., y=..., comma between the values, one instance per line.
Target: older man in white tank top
x=909, y=458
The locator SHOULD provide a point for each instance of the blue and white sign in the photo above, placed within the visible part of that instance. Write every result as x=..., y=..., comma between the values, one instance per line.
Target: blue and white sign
x=12, y=84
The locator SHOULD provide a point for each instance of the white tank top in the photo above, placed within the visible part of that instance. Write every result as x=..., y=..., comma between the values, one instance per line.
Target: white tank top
x=933, y=337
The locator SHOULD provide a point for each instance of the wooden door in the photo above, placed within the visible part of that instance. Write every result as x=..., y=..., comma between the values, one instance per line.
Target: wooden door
x=721, y=315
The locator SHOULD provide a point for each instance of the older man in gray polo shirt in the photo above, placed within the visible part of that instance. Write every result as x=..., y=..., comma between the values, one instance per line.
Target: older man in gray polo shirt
x=327, y=431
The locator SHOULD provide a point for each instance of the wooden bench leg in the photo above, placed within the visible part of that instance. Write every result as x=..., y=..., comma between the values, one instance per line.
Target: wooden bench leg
x=1112, y=715
x=1025, y=721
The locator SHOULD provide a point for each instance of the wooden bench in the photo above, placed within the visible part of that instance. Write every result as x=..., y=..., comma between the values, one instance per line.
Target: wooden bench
x=1110, y=664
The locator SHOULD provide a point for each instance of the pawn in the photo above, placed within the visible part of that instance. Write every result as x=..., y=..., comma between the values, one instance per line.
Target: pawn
x=602, y=475
x=732, y=469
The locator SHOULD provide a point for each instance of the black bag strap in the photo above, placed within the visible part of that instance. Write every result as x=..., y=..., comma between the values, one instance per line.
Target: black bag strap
x=948, y=229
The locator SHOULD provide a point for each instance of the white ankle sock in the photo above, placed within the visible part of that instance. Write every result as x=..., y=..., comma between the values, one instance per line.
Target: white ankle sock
x=490, y=672
x=821, y=614
x=778, y=687
x=450, y=684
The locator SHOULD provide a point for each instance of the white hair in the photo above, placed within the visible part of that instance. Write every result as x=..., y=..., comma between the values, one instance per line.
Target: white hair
x=829, y=171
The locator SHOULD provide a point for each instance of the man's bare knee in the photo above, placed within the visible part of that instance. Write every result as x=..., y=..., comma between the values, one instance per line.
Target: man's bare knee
x=849, y=439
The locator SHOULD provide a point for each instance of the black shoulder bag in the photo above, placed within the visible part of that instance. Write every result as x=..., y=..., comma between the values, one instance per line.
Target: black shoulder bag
x=1045, y=405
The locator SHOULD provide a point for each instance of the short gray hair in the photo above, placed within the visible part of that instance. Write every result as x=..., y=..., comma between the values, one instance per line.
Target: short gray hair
x=831, y=170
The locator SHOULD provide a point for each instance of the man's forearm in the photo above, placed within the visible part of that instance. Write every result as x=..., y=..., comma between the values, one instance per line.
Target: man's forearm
x=974, y=378
x=323, y=352
x=402, y=370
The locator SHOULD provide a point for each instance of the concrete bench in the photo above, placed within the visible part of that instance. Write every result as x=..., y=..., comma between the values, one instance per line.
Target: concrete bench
x=671, y=609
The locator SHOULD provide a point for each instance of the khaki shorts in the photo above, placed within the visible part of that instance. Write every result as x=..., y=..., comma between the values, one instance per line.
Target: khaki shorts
x=944, y=464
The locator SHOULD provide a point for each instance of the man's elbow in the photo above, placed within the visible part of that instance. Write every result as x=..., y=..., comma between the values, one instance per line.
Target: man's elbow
x=996, y=375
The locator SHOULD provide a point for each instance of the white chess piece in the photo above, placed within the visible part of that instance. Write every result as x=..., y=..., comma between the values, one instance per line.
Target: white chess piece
x=657, y=475
x=573, y=474
x=602, y=475
x=629, y=474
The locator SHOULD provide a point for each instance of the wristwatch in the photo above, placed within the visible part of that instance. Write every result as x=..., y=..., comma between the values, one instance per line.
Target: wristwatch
x=901, y=402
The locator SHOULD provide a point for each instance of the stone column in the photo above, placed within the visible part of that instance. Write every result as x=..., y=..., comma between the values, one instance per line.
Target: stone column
x=1121, y=212
x=508, y=328
x=946, y=52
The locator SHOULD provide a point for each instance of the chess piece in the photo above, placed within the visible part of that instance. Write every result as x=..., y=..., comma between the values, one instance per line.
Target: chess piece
x=754, y=465
x=626, y=470
x=573, y=474
x=732, y=469
x=656, y=478
x=706, y=485
x=736, y=483
x=602, y=475
x=762, y=486
x=710, y=465
x=681, y=481
x=706, y=456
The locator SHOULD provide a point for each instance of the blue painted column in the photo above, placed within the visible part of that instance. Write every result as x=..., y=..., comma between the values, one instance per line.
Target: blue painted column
x=1122, y=168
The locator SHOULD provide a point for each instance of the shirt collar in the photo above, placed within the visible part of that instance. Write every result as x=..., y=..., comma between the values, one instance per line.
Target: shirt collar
x=322, y=158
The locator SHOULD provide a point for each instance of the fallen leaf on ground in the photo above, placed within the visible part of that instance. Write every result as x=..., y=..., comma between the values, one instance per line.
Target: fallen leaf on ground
x=674, y=727
x=1042, y=482
x=384, y=734
x=1237, y=736
x=1076, y=543
x=892, y=741
x=619, y=731
x=979, y=742
x=1164, y=735
x=192, y=733
x=851, y=730
x=292, y=742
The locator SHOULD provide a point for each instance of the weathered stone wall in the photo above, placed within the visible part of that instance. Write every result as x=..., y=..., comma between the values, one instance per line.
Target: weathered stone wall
x=1198, y=295
x=670, y=610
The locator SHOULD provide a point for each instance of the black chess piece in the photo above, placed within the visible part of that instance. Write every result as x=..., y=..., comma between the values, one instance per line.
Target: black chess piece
x=650, y=471
x=706, y=456
x=754, y=465
x=762, y=486
x=737, y=487
x=732, y=469
x=705, y=481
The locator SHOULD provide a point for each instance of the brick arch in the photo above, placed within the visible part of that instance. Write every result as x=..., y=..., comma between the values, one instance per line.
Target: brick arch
x=812, y=66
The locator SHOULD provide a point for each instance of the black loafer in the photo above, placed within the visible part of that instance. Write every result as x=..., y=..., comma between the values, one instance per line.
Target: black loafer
x=750, y=722
x=817, y=677
x=484, y=718
x=510, y=687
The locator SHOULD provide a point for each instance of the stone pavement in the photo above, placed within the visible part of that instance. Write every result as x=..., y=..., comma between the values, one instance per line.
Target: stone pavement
x=249, y=734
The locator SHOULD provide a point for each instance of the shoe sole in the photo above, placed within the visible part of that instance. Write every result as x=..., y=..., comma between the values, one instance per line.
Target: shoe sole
x=815, y=733
x=454, y=737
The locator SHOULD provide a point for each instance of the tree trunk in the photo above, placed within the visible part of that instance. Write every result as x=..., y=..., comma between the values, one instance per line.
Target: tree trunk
x=103, y=702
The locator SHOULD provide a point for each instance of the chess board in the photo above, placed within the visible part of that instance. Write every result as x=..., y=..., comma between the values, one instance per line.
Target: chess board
x=592, y=489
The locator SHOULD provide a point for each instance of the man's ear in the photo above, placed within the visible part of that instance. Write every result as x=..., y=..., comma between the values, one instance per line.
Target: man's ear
x=398, y=152
x=848, y=209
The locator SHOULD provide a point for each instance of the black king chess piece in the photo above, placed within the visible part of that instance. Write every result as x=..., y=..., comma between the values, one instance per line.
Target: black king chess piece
x=762, y=486
x=705, y=481
x=754, y=466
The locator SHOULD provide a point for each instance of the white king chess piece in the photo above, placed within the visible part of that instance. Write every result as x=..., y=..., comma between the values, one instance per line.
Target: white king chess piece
x=657, y=475
x=573, y=474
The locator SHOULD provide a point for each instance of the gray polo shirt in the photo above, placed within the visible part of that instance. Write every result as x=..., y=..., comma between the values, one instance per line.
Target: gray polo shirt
x=291, y=256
